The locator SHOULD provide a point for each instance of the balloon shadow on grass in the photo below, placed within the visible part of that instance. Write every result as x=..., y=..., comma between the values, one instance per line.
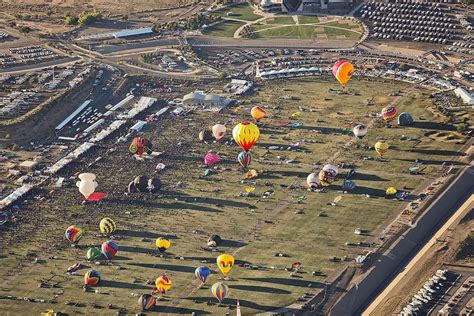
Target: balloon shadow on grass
x=173, y=205
x=142, y=234
x=213, y=201
x=124, y=285
x=233, y=301
x=290, y=282
x=178, y=310
x=433, y=125
x=262, y=289
x=167, y=267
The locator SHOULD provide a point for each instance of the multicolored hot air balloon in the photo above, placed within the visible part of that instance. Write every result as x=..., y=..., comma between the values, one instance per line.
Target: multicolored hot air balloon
x=348, y=185
x=220, y=291
x=360, y=131
x=405, y=119
x=140, y=145
x=73, y=234
x=162, y=244
x=258, y=113
x=211, y=159
x=389, y=112
x=381, y=147
x=91, y=278
x=163, y=284
x=225, y=263
x=343, y=71
x=109, y=249
x=328, y=174
x=202, y=273
x=244, y=158
x=146, y=302
x=246, y=135
x=93, y=253
x=107, y=226
x=313, y=181
x=218, y=131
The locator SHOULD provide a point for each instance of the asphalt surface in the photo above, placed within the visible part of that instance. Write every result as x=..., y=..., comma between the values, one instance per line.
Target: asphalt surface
x=399, y=255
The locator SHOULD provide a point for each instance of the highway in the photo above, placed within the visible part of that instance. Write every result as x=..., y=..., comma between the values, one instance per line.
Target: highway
x=405, y=248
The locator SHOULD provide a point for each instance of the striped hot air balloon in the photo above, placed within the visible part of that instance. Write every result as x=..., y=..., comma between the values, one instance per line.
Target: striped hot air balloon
x=109, y=249
x=342, y=71
x=73, y=234
x=107, y=226
x=91, y=278
x=146, y=302
x=244, y=158
x=389, y=113
x=246, y=135
x=220, y=291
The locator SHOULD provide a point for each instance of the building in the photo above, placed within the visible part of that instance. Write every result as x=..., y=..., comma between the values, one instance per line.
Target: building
x=305, y=6
x=466, y=96
x=238, y=86
x=210, y=102
x=28, y=165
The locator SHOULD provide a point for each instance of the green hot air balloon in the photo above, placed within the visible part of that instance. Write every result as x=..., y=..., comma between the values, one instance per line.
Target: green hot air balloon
x=93, y=254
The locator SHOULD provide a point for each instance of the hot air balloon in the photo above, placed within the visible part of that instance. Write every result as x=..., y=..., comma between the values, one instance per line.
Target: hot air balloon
x=218, y=131
x=91, y=278
x=244, y=158
x=405, y=119
x=328, y=174
x=154, y=184
x=141, y=183
x=225, y=263
x=202, y=273
x=146, y=302
x=220, y=291
x=163, y=284
x=246, y=135
x=93, y=253
x=163, y=244
x=214, y=241
x=348, y=185
x=140, y=145
x=343, y=71
x=107, y=226
x=258, y=113
x=390, y=191
x=389, y=112
x=313, y=181
x=73, y=234
x=109, y=249
x=87, y=184
x=381, y=147
x=211, y=159
x=360, y=131
x=205, y=136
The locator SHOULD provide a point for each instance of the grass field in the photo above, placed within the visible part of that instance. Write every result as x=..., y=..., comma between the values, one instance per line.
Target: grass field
x=297, y=31
x=282, y=20
x=223, y=29
x=191, y=205
x=308, y=19
x=240, y=11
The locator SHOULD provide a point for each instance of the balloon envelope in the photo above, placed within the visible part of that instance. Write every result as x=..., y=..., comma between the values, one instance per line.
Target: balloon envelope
x=381, y=147
x=93, y=253
x=389, y=112
x=405, y=119
x=258, y=113
x=348, y=185
x=313, y=181
x=73, y=234
x=162, y=244
x=246, y=135
x=205, y=136
x=218, y=131
x=343, y=71
x=225, y=263
x=91, y=278
x=211, y=158
x=109, y=249
x=202, y=273
x=146, y=302
x=87, y=184
x=140, y=145
x=360, y=131
x=390, y=191
x=220, y=291
x=163, y=283
x=214, y=241
x=244, y=158
x=107, y=226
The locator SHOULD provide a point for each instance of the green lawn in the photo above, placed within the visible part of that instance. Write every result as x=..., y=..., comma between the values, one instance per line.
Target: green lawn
x=282, y=20
x=240, y=11
x=334, y=32
x=196, y=201
x=223, y=29
x=297, y=31
x=304, y=19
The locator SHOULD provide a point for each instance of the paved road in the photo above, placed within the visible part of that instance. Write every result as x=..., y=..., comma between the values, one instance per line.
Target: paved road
x=148, y=44
x=406, y=247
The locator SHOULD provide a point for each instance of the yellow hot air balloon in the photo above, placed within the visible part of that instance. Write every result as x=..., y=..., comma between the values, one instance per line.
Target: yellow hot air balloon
x=390, y=191
x=258, y=113
x=343, y=71
x=381, y=147
x=225, y=263
x=163, y=244
x=163, y=284
x=246, y=135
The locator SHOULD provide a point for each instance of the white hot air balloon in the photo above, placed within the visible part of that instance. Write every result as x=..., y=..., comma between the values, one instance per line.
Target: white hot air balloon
x=360, y=131
x=87, y=184
x=313, y=181
x=218, y=131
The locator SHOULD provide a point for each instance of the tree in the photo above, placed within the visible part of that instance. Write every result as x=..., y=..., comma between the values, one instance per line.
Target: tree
x=222, y=75
x=71, y=20
x=24, y=29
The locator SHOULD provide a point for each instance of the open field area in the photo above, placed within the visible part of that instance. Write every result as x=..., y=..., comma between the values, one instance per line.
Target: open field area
x=309, y=123
x=223, y=29
x=239, y=11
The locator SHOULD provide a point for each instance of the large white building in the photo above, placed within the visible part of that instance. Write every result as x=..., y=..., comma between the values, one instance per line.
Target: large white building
x=466, y=96
x=210, y=102
x=304, y=6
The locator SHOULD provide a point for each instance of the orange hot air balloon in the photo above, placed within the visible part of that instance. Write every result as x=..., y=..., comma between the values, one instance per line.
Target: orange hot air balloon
x=343, y=71
x=246, y=135
x=258, y=113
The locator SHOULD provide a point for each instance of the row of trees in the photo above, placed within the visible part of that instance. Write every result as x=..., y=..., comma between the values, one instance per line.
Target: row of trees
x=193, y=23
x=85, y=18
